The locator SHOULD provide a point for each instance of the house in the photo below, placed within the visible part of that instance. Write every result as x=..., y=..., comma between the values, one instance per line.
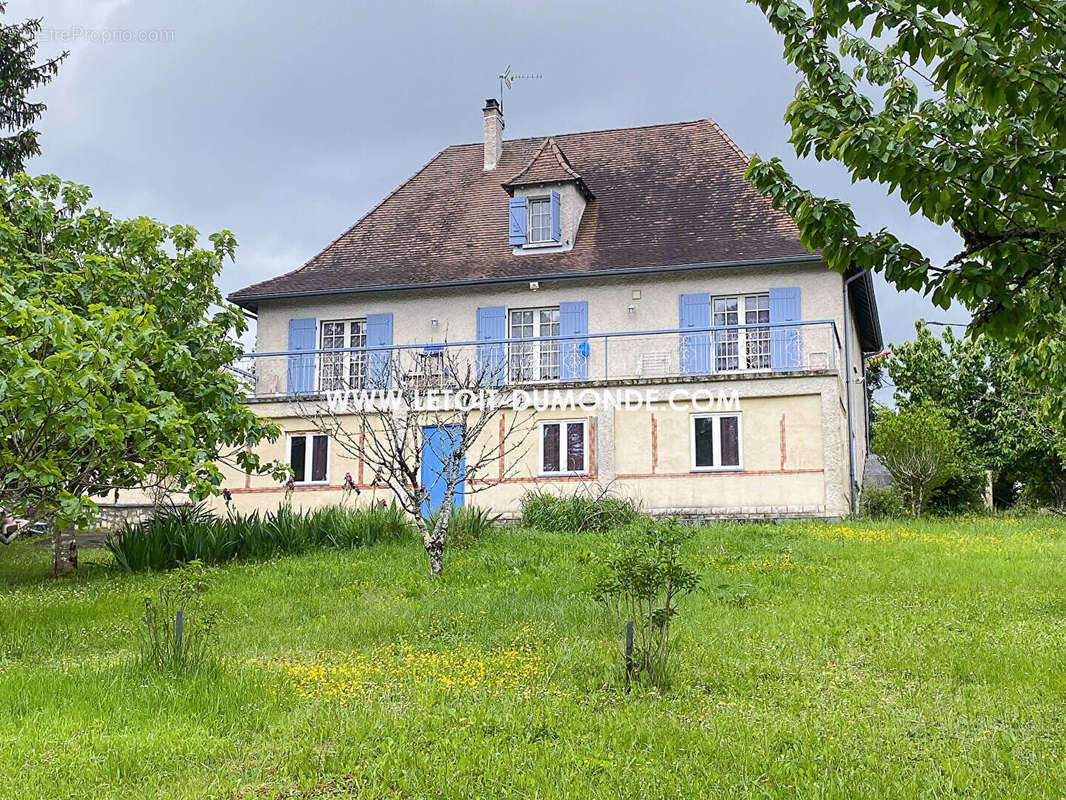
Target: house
x=669, y=273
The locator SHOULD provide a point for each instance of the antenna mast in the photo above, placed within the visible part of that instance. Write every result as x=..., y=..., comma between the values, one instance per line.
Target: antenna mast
x=507, y=78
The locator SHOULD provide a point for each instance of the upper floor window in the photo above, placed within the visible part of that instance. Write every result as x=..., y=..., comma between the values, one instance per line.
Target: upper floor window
x=742, y=348
x=534, y=360
x=540, y=220
x=347, y=369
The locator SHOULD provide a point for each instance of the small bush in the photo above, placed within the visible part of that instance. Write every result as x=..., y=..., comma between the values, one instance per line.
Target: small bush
x=644, y=576
x=468, y=524
x=882, y=503
x=179, y=628
x=192, y=533
x=578, y=513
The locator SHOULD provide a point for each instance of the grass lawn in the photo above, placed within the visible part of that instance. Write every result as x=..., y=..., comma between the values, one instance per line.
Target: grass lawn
x=817, y=660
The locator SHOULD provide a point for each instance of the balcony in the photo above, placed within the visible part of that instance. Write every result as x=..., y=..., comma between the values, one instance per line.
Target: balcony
x=598, y=359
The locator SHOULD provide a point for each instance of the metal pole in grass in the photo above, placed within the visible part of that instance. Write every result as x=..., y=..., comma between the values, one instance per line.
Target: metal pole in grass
x=629, y=653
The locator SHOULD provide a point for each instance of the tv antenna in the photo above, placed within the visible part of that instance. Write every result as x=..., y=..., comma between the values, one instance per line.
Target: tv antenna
x=507, y=78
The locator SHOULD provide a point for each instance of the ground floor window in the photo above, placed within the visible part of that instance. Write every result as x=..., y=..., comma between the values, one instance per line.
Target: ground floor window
x=309, y=457
x=563, y=447
x=716, y=441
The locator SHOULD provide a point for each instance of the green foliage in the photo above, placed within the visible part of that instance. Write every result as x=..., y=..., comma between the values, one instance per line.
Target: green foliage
x=577, y=513
x=643, y=578
x=19, y=75
x=994, y=410
x=920, y=448
x=192, y=533
x=882, y=502
x=468, y=524
x=178, y=636
x=958, y=107
x=114, y=348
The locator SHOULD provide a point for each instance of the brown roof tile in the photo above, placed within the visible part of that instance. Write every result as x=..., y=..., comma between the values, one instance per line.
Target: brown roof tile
x=549, y=165
x=666, y=195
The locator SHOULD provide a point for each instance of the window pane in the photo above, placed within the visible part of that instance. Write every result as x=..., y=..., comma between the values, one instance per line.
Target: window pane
x=704, y=441
x=539, y=221
x=575, y=447
x=730, y=441
x=319, y=450
x=550, y=448
x=297, y=457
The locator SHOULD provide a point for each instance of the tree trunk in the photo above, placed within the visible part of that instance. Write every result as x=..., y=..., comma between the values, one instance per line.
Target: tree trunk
x=64, y=552
x=435, y=550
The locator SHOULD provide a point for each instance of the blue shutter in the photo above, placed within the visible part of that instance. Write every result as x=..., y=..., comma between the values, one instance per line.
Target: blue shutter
x=379, y=362
x=301, y=371
x=694, y=311
x=574, y=321
x=517, y=228
x=557, y=229
x=491, y=327
x=785, y=349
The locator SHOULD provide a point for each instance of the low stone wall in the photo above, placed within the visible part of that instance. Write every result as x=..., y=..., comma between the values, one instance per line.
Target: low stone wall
x=112, y=516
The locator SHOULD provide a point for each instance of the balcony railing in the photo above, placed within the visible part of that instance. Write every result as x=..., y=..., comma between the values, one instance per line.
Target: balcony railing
x=597, y=358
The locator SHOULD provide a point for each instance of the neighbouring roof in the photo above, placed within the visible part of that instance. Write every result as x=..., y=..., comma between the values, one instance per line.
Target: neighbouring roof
x=665, y=196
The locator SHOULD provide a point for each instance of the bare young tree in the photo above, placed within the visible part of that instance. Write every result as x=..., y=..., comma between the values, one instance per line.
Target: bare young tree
x=420, y=418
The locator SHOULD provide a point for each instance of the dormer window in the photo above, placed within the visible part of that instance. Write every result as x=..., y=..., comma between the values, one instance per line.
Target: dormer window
x=535, y=220
x=540, y=220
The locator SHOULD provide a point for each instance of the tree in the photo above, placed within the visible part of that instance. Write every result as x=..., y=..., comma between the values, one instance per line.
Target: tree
x=959, y=106
x=114, y=348
x=420, y=419
x=19, y=75
x=995, y=412
x=919, y=447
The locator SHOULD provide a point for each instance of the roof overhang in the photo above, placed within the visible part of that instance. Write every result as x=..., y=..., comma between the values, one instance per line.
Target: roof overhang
x=864, y=306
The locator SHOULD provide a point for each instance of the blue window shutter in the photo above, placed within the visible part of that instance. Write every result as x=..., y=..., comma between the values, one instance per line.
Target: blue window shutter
x=491, y=327
x=379, y=362
x=574, y=321
x=694, y=311
x=785, y=341
x=301, y=370
x=517, y=227
x=557, y=228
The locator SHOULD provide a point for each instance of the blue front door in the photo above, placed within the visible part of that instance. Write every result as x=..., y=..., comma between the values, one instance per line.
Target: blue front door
x=437, y=446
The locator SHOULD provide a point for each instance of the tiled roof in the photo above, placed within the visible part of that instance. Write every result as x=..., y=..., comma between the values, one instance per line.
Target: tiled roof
x=665, y=196
x=548, y=165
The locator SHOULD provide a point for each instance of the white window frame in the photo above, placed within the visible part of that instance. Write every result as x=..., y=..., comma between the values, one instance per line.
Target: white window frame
x=717, y=448
x=309, y=449
x=347, y=357
x=530, y=228
x=741, y=332
x=536, y=346
x=562, y=423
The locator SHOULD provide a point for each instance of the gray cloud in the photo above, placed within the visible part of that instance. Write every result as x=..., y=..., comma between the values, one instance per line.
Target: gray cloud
x=286, y=122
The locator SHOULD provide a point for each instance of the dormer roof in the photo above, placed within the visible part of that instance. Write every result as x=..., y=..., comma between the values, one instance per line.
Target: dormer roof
x=549, y=164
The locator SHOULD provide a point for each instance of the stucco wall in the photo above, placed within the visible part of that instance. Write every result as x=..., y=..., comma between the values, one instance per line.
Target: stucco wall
x=791, y=450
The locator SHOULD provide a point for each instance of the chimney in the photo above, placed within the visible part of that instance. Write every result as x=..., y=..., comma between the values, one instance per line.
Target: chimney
x=493, y=133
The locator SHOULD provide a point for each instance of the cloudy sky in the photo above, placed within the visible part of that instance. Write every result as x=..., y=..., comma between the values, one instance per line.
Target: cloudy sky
x=284, y=122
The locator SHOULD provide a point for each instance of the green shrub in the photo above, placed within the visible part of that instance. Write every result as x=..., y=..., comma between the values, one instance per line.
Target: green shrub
x=467, y=525
x=882, y=503
x=178, y=635
x=919, y=446
x=643, y=578
x=578, y=513
x=192, y=533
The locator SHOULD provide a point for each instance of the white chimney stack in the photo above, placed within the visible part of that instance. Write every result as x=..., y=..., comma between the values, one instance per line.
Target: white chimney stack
x=493, y=133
